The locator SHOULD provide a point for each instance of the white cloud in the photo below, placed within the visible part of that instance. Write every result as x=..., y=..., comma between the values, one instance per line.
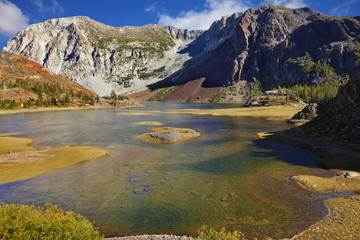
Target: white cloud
x=213, y=10
x=54, y=6
x=343, y=8
x=12, y=18
x=288, y=3
x=150, y=8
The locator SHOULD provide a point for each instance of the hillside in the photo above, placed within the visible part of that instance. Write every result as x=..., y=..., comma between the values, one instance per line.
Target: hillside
x=339, y=120
x=272, y=46
x=101, y=57
x=25, y=81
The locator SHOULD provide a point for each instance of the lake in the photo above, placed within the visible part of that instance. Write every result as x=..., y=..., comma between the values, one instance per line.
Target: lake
x=224, y=178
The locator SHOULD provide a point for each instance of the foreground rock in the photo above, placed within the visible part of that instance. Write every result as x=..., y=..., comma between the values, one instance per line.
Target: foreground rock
x=168, y=135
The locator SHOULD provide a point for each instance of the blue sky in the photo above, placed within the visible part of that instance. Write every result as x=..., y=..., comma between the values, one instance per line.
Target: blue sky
x=192, y=14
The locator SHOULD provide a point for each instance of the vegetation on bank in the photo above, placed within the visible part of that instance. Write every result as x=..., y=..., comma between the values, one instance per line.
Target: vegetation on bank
x=324, y=86
x=46, y=222
x=47, y=94
x=161, y=94
x=27, y=84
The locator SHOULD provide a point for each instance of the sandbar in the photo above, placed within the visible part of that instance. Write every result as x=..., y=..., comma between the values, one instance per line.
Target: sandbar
x=283, y=112
x=150, y=123
x=19, y=161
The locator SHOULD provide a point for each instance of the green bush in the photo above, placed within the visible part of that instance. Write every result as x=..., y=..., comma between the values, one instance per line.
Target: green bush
x=47, y=222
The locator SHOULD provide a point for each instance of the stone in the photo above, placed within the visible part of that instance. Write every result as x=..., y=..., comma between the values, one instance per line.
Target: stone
x=308, y=112
x=166, y=135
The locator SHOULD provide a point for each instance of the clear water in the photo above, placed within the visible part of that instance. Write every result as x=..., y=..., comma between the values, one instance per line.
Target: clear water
x=225, y=177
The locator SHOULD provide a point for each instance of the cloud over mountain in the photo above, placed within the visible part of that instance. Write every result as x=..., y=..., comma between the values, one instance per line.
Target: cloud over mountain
x=12, y=18
x=213, y=10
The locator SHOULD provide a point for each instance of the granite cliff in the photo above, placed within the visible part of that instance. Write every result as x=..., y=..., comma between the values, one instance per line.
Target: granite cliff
x=274, y=45
x=100, y=57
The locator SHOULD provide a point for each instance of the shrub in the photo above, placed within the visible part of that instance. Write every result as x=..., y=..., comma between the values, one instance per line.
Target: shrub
x=46, y=222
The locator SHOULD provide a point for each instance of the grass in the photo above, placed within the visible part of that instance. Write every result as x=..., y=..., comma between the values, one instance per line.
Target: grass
x=161, y=94
x=46, y=222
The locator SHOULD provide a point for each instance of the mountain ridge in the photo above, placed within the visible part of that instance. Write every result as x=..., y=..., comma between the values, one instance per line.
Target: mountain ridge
x=270, y=45
x=101, y=57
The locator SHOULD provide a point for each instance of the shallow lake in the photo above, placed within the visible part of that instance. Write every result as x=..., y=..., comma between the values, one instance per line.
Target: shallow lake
x=225, y=177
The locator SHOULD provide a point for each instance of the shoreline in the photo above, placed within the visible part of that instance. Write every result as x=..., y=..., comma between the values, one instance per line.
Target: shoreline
x=344, y=212
x=70, y=108
x=332, y=152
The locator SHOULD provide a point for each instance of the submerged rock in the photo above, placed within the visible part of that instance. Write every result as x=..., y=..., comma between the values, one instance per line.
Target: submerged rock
x=166, y=135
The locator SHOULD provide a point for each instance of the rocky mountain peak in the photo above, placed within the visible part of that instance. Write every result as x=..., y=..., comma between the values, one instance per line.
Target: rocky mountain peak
x=273, y=44
x=101, y=57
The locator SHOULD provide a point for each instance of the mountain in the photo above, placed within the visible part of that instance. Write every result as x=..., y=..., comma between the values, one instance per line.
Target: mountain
x=27, y=81
x=339, y=120
x=103, y=58
x=272, y=45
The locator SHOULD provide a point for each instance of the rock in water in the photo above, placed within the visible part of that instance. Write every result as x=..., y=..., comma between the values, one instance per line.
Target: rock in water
x=168, y=135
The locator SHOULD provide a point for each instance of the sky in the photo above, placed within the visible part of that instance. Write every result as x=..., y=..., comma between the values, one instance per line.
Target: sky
x=15, y=15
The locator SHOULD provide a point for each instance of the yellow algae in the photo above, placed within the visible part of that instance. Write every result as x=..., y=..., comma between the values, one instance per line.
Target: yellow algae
x=263, y=135
x=133, y=113
x=149, y=123
x=10, y=134
x=40, y=121
x=12, y=144
x=30, y=164
x=329, y=185
x=267, y=112
x=19, y=161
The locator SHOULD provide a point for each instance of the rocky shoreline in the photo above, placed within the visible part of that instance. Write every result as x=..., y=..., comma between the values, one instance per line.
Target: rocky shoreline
x=332, y=155
x=344, y=212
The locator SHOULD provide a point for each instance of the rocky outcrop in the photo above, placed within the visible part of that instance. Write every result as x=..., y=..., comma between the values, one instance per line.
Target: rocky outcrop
x=274, y=45
x=103, y=58
x=308, y=112
x=339, y=120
